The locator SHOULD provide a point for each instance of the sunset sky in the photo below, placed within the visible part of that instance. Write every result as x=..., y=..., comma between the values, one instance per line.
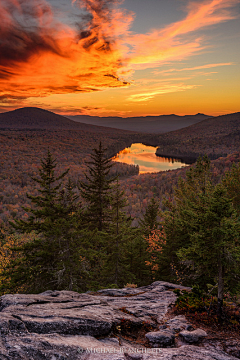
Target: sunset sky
x=120, y=58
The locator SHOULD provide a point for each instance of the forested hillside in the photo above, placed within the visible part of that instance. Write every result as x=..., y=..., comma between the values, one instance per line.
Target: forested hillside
x=21, y=152
x=216, y=137
x=70, y=218
x=139, y=189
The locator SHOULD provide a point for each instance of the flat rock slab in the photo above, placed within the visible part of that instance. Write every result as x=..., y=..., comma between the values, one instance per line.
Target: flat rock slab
x=65, y=325
x=71, y=313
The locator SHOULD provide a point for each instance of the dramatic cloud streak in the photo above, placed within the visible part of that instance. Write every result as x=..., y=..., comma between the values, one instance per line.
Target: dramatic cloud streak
x=201, y=67
x=40, y=55
x=166, y=89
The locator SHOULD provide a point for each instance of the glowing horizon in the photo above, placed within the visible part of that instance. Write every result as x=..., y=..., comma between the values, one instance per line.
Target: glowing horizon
x=116, y=58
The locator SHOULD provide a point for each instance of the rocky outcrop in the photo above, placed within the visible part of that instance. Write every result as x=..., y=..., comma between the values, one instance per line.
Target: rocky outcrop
x=110, y=324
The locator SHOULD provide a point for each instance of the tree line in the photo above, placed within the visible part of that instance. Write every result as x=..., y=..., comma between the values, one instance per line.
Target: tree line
x=84, y=240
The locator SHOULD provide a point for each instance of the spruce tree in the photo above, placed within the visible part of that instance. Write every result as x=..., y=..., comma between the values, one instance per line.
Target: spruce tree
x=117, y=268
x=45, y=206
x=231, y=181
x=214, y=234
x=150, y=219
x=169, y=266
x=96, y=190
x=203, y=234
x=197, y=183
x=52, y=260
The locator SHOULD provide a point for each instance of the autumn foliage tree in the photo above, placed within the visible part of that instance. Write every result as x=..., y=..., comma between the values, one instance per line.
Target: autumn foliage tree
x=146, y=243
x=156, y=240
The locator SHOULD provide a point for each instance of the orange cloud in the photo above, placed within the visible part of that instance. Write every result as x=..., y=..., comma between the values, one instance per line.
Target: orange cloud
x=168, y=44
x=46, y=56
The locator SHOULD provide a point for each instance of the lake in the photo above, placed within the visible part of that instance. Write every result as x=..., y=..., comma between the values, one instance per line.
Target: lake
x=144, y=156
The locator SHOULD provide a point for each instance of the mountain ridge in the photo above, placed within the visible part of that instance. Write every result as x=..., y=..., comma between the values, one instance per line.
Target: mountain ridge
x=34, y=118
x=146, y=124
x=39, y=118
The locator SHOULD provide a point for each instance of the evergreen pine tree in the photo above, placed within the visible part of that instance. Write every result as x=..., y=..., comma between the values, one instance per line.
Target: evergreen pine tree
x=119, y=236
x=45, y=207
x=150, y=219
x=214, y=236
x=202, y=231
x=197, y=183
x=97, y=190
x=52, y=259
x=169, y=266
x=231, y=181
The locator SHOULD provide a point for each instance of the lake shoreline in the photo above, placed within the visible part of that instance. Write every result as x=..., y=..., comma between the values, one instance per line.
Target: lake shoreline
x=189, y=160
x=148, y=160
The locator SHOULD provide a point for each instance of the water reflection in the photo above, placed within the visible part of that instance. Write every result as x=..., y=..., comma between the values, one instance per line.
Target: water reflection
x=144, y=156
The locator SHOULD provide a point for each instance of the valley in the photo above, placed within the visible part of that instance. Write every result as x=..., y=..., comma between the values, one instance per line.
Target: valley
x=26, y=134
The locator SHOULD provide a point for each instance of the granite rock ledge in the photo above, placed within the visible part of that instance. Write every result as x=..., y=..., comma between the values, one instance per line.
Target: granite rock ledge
x=65, y=325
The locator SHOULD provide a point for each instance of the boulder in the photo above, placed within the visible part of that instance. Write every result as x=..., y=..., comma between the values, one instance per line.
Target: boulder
x=162, y=338
x=194, y=336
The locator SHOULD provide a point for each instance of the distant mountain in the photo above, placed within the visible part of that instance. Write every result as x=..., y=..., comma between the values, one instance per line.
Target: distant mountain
x=145, y=124
x=216, y=137
x=32, y=118
x=36, y=118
